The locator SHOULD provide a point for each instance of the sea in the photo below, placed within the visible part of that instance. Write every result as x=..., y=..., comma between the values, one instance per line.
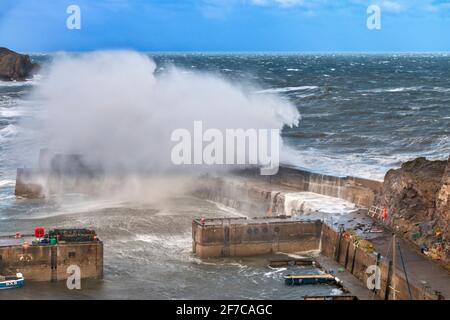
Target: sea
x=361, y=115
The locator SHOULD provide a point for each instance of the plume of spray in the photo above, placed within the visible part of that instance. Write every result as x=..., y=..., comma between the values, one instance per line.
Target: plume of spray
x=113, y=108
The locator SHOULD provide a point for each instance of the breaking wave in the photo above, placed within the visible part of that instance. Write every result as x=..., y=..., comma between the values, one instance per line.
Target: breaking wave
x=114, y=108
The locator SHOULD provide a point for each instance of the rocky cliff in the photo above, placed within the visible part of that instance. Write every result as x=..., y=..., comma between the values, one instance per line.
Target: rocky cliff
x=417, y=197
x=15, y=66
x=443, y=202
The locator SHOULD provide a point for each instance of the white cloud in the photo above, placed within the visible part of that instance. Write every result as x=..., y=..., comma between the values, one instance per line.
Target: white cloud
x=284, y=3
x=219, y=7
x=392, y=6
x=290, y=3
x=400, y=6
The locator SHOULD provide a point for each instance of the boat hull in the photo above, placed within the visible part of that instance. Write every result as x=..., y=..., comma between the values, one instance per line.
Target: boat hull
x=299, y=281
x=11, y=284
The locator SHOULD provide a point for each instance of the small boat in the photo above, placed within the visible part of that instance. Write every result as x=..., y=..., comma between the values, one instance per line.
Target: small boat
x=310, y=279
x=10, y=282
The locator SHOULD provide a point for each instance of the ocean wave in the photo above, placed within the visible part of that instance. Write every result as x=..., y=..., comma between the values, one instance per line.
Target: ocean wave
x=441, y=90
x=227, y=209
x=14, y=83
x=406, y=89
x=7, y=183
x=299, y=203
x=391, y=90
x=7, y=101
x=178, y=241
x=27, y=82
x=174, y=244
x=9, y=131
x=288, y=89
x=11, y=112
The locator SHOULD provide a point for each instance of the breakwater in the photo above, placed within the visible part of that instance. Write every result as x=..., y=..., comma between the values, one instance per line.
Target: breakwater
x=257, y=195
x=238, y=237
x=51, y=262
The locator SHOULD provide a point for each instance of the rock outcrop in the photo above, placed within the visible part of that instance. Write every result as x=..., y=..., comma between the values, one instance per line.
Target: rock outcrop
x=15, y=66
x=417, y=198
x=443, y=202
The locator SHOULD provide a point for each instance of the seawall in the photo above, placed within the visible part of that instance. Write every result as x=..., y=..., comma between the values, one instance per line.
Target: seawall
x=50, y=262
x=356, y=260
x=238, y=237
x=356, y=190
x=257, y=195
x=247, y=237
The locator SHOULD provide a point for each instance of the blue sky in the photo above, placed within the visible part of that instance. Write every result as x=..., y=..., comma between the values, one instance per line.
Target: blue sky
x=226, y=25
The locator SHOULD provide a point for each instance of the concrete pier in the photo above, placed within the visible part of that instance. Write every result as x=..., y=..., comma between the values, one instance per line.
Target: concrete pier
x=50, y=262
x=257, y=195
x=29, y=184
x=247, y=237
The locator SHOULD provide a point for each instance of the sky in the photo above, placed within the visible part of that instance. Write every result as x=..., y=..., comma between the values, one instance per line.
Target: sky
x=226, y=25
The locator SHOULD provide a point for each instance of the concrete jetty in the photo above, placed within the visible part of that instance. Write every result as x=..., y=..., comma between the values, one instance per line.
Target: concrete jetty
x=264, y=197
x=246, y=237
x=232, y=237
x=49, y=262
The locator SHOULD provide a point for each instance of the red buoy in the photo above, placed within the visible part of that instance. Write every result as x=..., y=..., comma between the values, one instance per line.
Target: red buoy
x=39, y=232
x=384, y=214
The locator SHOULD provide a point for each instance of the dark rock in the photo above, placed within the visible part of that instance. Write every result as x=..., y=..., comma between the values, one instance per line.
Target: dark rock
x=443, y=202
x=15, y=66
x=417, y=197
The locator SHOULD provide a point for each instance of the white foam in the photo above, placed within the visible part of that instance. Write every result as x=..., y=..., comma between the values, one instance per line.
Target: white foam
x=299, y=203
x=275, y=271
x=169, y=241
x=288, y=89
x=9, y=131
x=336, y=292
x=69, y=207
x=7, y=183
x=27, y=82
x=101, y=84
x=391, y=90
x=11, y=112
x=228, y=210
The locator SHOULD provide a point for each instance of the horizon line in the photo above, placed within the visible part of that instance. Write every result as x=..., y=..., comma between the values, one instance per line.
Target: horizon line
x=215, y=52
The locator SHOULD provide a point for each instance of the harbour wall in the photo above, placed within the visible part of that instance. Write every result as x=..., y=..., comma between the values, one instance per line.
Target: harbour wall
x=249, y=237
x=29, y=183
x=50, y=262
x=244, y=197
x=356, y=260
x=356, y=190
x=249, y=192
x=238, y=237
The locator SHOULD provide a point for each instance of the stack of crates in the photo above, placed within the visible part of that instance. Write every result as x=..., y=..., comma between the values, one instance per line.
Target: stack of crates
x=73, y=235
